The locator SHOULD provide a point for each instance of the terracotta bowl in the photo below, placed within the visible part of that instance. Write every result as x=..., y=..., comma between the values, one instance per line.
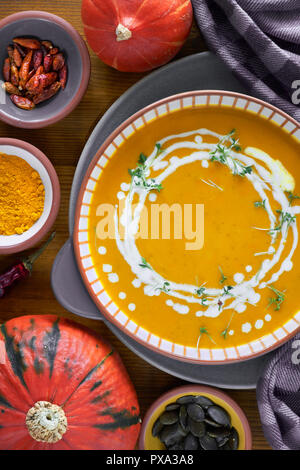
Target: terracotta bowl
x=238, y=418
x=38, y=161
x=46, y=26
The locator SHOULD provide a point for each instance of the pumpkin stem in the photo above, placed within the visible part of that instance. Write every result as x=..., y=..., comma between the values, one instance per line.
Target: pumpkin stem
x=46, y=422
x=123, y=33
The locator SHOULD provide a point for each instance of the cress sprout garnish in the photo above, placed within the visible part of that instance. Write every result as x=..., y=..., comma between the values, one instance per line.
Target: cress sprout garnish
x=203, y=331
x=145, y=264
x=285, y=218
x=260, y=204
x=278, y=300
x=223, y=277
x=224, y=333
x=223, y=154
x=292, y=197
x=139, y=178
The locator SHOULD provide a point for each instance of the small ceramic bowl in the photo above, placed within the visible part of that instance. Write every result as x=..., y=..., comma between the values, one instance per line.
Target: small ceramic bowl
x=238, y=418
x=39, y=162
x=45, y=26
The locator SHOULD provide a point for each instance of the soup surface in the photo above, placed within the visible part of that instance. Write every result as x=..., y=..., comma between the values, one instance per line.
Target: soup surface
x=193, y=227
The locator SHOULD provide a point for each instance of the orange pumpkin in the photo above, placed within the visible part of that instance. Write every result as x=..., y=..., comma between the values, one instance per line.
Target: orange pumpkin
x=62, y=387
x=136, y=35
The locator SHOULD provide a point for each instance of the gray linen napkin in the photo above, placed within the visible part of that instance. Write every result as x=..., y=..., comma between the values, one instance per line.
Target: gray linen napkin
x=278, y=397
x=259, y=40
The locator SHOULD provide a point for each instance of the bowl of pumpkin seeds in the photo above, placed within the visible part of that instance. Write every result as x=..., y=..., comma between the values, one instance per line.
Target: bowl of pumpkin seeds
x=195, y=417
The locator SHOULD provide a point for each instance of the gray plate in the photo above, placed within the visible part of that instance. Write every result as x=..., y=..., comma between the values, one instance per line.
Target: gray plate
x=196, y=72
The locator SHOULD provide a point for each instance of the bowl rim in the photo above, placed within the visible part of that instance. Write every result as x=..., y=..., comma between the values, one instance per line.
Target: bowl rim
x=190, y=389
x=103, y=309
x=5, y=250
x=86, y=67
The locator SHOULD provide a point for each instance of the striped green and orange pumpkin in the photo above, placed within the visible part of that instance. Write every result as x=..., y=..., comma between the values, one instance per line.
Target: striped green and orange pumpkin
x=62, y=387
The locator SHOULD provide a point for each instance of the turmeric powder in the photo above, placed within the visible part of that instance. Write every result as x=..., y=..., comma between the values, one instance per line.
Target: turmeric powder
x=22, y=195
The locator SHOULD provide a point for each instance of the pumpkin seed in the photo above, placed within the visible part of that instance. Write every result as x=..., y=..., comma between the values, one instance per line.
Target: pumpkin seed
x=195, y=423
x=157, y=427
x=233, y=439
x=208, y=443
x=203, y=401
x=185, y=399
x=196, y=428
x=169, y=417
x=183, y=417
x=219, y=415
x=196, y=412
x=172, y=407
x=221, y=441
x=171, y=435
x=191, y=442
x=210, y=422
x=222, y=432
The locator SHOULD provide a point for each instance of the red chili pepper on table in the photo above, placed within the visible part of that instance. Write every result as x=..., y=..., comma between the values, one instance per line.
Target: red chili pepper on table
x=22, y=269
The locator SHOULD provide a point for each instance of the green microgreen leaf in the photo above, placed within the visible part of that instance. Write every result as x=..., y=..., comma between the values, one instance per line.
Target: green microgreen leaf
x=144, y=264
x=285, y=218
x=223, y=154
x=165, y=288
x=203, y=331
x=278, y=300
x=292, y=197
x=201, y=293
x=261, y=204
x=224, y=333
x=142, y=158
x=159, y=149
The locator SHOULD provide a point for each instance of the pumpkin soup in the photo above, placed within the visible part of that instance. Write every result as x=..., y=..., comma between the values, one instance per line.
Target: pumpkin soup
x=241, y=282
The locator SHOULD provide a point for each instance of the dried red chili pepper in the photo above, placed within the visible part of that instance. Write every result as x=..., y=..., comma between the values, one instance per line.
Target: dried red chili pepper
x=54, y=51
x=14, y=74
x=6, y=70
x=31, y=74
x=63, y=76
x=30, y=70
x=47, y=44
x=17, y=57
x=25, y=68
x=37, y=58
x=21, y=50
x=22, y=270
x=47, y=93
x=11, y=89
x=30, y=43
x=22, y=102
x=58, y=62
x=40, y=70
x=48, y=59
x=39, y=82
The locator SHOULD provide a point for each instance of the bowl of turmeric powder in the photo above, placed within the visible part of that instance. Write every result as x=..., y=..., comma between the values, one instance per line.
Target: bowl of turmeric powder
x=29, y=195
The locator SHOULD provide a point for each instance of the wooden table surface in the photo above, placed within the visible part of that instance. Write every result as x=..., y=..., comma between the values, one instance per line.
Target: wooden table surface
x=63, y=143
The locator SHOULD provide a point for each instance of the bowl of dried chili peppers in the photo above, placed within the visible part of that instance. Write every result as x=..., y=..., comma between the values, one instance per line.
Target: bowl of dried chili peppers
x=29, y=195
x=45, y=69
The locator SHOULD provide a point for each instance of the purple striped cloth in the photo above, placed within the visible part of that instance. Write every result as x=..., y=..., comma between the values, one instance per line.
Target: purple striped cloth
x=278, y=397
x=259, y=40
